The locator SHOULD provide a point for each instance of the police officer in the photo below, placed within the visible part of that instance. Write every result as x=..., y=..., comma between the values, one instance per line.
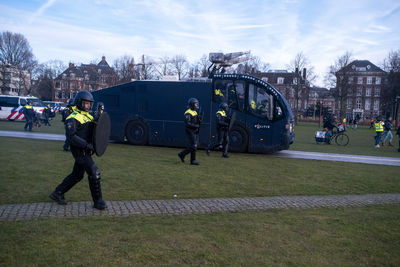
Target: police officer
x=192, y=123
x=46, y=114
x=222, y=130
x=29, y=114
x=68, y=110
x=79, y=131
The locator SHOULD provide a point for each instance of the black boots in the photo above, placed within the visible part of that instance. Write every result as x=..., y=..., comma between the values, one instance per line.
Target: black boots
x=95, y=190
x=58, y=197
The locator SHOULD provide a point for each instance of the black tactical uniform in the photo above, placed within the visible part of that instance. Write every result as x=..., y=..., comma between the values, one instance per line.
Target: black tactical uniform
x=69, y=109
x=192, y=122
x=46, y=115
x=79, y=132
x=222, y=130
x=29, y=114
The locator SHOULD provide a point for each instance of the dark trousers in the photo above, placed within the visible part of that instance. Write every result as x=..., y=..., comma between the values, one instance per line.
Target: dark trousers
x=28, y=124
x=46, y=120
x=83, y=164
x=223, y=141
x=193, y=138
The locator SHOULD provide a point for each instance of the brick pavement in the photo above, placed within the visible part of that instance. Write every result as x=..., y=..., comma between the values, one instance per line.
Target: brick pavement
x=45, y=210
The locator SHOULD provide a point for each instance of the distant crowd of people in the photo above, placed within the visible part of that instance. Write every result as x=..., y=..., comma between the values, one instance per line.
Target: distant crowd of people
x=383, y=128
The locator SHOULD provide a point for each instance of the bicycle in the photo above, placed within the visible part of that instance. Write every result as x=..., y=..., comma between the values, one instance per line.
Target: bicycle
x=341, y=139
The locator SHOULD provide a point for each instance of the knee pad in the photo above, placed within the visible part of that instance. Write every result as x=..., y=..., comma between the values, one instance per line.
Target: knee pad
x=96, y=176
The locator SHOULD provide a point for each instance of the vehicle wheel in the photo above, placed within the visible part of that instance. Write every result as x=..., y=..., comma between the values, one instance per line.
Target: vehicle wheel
x=238, y=139
x=136, y=132
x=342, y=139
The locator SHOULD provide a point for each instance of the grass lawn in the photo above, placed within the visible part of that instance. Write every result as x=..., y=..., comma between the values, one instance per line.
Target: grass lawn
x=30, y=169
x=361, y=140
x=368, y=236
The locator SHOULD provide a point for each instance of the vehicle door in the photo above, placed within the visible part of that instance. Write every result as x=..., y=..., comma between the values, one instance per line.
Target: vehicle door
x=260, y=116
x=233, y=93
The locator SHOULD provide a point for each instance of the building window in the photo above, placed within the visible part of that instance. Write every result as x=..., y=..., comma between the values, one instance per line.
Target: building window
x=349, y=103
x=369, y=80
x=377, y=92
x=376, y=104
x=359, y=91
x=294, y=80
x=358, y=103
x=350, y=81
x=280, y=80
x=265, y=79
x=359, y=80
x=378, y=80
x=368, y=92
x=367, y=104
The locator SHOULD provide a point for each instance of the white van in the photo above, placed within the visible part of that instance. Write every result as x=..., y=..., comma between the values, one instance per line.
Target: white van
x=12, y=107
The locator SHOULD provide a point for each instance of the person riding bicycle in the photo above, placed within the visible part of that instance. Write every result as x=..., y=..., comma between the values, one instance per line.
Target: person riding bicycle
x=329, y=125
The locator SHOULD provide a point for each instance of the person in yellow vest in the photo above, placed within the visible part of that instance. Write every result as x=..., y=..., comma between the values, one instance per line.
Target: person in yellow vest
x=379, y=130
x=345, y=122
x=46, y=115
x=222, y=129
x=192, y=123
x=29, y=115
x=79, y=128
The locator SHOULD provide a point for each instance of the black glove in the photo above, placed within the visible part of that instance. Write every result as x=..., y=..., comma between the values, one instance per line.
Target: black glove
x=90, y=147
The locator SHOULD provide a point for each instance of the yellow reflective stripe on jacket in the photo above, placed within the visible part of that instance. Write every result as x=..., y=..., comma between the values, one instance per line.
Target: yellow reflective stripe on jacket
x=27, y=106
x=218, y=92
x=378, y=127
x=191, y=112
x=81, y=116
x=222, y=112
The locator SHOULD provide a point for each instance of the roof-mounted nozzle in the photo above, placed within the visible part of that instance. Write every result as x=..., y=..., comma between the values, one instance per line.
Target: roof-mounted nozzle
x=219, y=61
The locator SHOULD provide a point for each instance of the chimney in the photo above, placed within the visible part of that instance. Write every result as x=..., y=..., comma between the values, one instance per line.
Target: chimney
x=304, y=73
x=71, y=65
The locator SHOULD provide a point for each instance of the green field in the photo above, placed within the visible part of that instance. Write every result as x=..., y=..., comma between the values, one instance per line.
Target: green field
x=30, y=169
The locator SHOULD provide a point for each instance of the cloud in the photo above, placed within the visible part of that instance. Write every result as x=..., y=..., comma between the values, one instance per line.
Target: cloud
x=41, y=10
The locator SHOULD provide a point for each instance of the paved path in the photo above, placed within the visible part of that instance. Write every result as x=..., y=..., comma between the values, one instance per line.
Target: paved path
x=32, y=211
x=285, y=153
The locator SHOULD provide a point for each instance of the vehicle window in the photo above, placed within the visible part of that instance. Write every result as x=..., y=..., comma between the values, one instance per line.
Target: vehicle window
x=230, y=92
x=260, y=102
x=23, y=102
x=220, y=88
x=8, y=101
x=36, y=102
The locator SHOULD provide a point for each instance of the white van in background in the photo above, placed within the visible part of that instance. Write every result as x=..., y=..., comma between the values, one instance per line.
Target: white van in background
x=12, y=107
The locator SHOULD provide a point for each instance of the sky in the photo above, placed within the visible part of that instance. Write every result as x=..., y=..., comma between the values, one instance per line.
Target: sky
x=82, y=31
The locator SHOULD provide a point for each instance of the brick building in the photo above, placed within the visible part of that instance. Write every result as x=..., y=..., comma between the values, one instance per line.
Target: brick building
x=89, y=77
x=364, y=82
x=287, y=83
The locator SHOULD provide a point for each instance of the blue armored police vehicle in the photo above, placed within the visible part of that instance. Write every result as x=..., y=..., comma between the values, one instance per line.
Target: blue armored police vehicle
x=152, y=112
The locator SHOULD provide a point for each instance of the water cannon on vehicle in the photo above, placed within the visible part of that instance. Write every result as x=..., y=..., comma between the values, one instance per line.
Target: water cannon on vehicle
x=220, y=61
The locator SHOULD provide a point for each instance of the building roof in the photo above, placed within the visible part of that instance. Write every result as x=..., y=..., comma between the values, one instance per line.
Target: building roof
x=91, y=69
x=361, y=66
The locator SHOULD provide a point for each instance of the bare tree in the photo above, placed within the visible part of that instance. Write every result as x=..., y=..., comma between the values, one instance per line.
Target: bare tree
x=338, y=77
x=126, y=69
x=181, y=66
x=391, y=93
x=304, y=76
x=203, y=65
x=43, y=78
x=16, y=54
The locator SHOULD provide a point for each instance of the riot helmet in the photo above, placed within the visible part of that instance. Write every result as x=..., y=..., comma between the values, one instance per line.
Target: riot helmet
x=192, y=103
x=223, y=106
x=70, y=102
x=29, y=102
x=82, y=96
